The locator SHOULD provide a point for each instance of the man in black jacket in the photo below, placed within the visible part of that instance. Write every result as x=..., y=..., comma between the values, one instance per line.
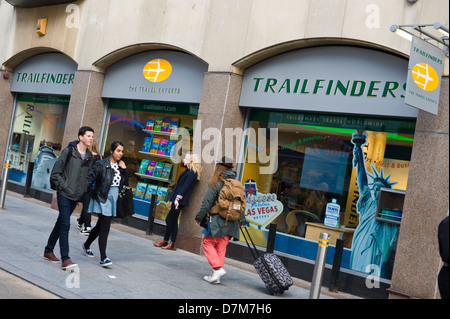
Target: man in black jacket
x=68, y=178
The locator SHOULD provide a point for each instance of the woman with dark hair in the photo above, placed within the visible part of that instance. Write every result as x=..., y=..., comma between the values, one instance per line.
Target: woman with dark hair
x=106, y=179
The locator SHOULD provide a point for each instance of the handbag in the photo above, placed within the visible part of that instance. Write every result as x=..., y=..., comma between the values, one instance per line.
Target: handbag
x=125, y=204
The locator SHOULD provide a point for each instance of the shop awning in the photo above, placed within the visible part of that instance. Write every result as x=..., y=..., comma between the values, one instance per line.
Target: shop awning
x=36, y=3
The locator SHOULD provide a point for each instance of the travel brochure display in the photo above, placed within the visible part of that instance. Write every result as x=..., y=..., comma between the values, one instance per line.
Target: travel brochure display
x=159, y=146
x=161, y=137
x=145, y=191
x=163, y=124
x=155, y=169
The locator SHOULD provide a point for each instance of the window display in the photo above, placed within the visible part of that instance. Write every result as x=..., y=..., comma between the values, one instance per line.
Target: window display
x=325, y=158
x=38, y=130
x=150, y=132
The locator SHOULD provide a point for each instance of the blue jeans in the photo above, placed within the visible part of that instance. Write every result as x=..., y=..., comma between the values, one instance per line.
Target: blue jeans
x=61, y=229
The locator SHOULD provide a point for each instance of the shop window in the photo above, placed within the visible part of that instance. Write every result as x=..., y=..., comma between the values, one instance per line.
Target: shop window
x=38, y=130
x=315, y=163
x=150, y=132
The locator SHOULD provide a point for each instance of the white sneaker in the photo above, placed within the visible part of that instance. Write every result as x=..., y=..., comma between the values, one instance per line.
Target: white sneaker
x=221, y=272
x=86, y=231
x=215, y=276
x=210, y=279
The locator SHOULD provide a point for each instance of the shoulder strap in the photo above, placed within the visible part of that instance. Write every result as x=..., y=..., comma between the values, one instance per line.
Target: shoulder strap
x=69, y=155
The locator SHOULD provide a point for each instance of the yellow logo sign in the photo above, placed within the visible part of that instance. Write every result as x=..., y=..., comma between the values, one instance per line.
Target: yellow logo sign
x=157, y=70
x=425, y=77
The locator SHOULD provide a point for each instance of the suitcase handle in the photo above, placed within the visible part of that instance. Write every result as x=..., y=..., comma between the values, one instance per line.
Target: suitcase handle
x=246, y=240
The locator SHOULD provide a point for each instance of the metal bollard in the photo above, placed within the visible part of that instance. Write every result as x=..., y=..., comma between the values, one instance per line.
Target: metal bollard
x=29, y=179
x=4, y=183
x=271, y=238
x=316, y=282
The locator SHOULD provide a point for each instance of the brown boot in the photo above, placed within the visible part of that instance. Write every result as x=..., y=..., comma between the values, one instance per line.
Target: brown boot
x=170, y=246
x=160, y=243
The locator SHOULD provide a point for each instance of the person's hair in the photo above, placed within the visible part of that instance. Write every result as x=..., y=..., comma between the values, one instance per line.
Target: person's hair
x=85, y=129
x=216, y=174
x=315, y=203
x=94, y=148
x=194, y=164
x=114, y=145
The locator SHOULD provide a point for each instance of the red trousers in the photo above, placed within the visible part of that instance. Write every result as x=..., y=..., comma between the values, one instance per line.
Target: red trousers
x=215, y=249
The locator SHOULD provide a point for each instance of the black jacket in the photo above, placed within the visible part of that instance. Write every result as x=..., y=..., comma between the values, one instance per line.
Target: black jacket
x=443, y=239
x=69, y=173
x=185, y=184
x=101, y=177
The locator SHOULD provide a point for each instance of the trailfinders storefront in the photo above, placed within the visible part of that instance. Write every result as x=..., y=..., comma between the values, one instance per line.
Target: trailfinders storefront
x=339, y=135
x=43, y=85
x=153, y=100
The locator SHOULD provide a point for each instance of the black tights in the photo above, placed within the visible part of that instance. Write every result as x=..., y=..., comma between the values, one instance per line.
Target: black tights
x=101, y=230
x=172, y=223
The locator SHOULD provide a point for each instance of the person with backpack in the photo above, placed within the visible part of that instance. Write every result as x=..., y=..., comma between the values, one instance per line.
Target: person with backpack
x=69, y=179
x=221, y=214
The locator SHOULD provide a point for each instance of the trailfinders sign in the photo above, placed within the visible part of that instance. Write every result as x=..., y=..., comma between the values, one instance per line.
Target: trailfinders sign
x=426, y=63
x=330, y=79
x=48, y=73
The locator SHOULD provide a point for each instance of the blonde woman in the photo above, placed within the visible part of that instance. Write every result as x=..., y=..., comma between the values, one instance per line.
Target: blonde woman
x=180, y=199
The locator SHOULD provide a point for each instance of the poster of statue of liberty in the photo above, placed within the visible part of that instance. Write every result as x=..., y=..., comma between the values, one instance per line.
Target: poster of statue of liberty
x=373, y=240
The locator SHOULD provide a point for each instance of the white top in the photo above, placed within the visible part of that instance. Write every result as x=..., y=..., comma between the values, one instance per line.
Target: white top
x=117, y=177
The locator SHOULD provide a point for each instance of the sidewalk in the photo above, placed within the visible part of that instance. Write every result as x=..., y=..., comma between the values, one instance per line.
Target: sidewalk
x=139, y=269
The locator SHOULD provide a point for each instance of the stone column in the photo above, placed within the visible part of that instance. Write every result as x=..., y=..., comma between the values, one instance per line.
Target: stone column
x=86, y=105
x=417, y=260
x=219, y=108
x=6, y=109
x=86, y=108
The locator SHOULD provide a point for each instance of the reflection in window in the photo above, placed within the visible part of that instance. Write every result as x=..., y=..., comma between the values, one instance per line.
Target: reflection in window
x=315, y=155
x=38, y=130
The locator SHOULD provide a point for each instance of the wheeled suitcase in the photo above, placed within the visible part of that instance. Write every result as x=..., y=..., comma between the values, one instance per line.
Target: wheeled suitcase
x=269, y=268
